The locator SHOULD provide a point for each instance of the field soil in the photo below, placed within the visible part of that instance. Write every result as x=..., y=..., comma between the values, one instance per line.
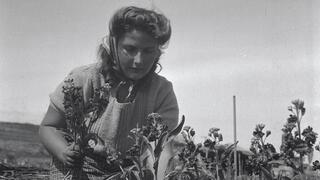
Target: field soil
x=20, y=146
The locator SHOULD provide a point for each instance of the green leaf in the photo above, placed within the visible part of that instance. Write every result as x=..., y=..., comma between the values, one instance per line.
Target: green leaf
x=144, y=160
x=159, y=147
x=165, y=138
x=187, y=175
x=267, y=174
x=136, y=163
x=178, y=129
x=172, y=174
x=170, y=165
x=148, y=174
x=136, y=175
x=146, y=147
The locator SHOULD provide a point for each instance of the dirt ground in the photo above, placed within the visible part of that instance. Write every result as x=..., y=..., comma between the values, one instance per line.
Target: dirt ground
x=20, y=146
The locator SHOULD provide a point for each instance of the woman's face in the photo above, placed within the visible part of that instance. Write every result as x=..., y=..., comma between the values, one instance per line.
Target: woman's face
x=137, y=52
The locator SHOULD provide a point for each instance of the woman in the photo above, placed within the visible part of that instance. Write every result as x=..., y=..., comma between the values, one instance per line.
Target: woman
x=129, y=58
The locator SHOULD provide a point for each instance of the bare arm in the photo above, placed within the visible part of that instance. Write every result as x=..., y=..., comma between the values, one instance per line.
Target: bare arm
x=53, y=139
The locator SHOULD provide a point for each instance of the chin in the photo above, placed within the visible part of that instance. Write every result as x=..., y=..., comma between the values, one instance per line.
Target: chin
x=136, y=77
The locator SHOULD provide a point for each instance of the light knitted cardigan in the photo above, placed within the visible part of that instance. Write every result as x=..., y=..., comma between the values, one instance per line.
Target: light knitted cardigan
x=119, y=118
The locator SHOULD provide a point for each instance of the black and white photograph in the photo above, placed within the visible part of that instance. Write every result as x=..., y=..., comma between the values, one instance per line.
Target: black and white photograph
x=160, y=90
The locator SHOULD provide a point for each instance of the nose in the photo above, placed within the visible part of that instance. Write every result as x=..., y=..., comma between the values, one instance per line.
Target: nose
x=137, y=60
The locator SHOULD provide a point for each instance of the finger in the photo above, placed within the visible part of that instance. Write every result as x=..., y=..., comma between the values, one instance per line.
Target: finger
x=77, y=163
x=73, y=162
x=74, y=154
x=74, y=158
x=68, y=164
x=70, y=160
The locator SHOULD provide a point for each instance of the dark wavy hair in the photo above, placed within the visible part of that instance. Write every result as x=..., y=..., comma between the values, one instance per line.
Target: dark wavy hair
x=134, y=18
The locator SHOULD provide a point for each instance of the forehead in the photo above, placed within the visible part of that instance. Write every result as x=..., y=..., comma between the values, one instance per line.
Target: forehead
x=138, y=38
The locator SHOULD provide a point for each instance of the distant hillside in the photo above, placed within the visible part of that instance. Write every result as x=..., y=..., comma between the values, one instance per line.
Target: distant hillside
x=20, y=145
x=20, y=116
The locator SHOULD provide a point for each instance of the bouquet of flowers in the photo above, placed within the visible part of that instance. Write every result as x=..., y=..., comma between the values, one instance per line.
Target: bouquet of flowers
x=79, y=120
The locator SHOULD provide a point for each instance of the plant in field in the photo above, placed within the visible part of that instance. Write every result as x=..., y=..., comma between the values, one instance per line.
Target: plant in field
x=316, y=164
x=296, y=141
x=216, y=156
x=207, y=160
x=149, y=141
x=189, y=166
x=79, y=119
x=263, y=152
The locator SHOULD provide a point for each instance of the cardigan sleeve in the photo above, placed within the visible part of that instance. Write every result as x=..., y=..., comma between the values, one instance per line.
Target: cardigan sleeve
x=81, y=78
x=167, y=105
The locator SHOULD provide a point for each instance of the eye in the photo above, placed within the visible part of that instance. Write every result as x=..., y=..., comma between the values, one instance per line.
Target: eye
x=130, y=50
x=149, y=50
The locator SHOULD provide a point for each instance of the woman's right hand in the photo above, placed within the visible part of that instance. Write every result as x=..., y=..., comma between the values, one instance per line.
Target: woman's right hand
x=71, y=156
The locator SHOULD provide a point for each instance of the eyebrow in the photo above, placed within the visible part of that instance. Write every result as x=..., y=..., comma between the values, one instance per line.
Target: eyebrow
x=134, y=45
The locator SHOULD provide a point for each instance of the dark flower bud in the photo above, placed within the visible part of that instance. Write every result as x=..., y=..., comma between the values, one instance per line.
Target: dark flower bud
x=260, y=127
x=207, y=143
x=268, y=133
x=216, y=134
x=303, y=111
x=186, y=128
x=298, y=103
x=213, y=130
x=292, y=119
x=220, y=137
x=192, y=132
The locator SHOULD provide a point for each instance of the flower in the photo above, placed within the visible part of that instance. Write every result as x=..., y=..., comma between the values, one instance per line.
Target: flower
x=260, y=127
x=134, y=150
x=209, y=143
x=268, y=133
x=192, y=132
x=220, y=137
x=298, y=103
x=310, y=136
x=316, y=165
x=154, y=127
x=292, y=119
x=213, y=130
x=186, y=128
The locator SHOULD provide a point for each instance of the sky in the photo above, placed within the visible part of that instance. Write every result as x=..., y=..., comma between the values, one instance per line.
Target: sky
x=264, y=52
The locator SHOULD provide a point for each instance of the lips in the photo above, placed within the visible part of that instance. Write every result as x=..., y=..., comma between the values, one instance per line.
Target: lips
x=136, y=69
x=135, y=73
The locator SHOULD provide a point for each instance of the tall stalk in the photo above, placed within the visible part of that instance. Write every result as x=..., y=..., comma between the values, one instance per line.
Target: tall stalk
x=299, y=131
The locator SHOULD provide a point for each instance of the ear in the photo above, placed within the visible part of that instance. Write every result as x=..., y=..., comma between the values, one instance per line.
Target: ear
x=158, y=53
x=157, y=56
